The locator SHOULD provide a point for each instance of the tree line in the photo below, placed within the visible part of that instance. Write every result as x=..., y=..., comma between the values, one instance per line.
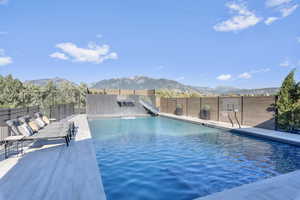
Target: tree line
x=15, y=93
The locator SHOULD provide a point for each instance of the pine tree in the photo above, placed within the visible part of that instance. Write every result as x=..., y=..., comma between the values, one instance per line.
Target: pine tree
x=287, y=98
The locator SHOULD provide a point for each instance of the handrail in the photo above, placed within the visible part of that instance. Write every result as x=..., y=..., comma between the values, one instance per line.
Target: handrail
x=237, y=120
x=228, y=115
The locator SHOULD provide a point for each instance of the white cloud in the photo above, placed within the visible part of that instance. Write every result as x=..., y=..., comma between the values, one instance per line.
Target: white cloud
x=288, y=11
x=298, y=39
x=224, y=77
x=244, y=19
x=4, y=60
x=285, y=63
x=248, y=75
x=274, y=3
x=285, y=10
x=271, y=20
x=3, y=33
x=99, y=35
x=245, y=75
x=93, y=53
x=59, y=56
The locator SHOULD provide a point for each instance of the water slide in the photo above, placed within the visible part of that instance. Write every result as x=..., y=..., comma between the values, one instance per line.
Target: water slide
x=149, y=107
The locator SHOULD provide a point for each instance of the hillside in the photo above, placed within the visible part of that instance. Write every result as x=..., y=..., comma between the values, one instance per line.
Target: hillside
x=42, y=82
x=223, y=90
x=144, y=83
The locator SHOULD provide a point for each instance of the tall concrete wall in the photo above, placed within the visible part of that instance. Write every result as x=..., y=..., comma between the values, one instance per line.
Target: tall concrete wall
x=252, y=111
x=102, y=104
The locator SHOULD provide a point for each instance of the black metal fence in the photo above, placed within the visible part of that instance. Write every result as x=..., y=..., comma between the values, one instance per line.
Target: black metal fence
x=57, y=112
x=61, y=111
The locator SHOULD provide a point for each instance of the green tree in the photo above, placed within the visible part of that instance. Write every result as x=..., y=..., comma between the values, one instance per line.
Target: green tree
x=32, y=95
x=49, y=95
x=67, y=93
x=82, y=89
x=11, y=92
x=14, y=93
x=287, y=102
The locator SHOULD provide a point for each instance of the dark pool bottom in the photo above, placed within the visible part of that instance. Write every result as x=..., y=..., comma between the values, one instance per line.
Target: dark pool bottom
x=159, y=158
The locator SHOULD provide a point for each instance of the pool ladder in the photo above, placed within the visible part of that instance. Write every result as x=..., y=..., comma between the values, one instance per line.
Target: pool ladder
x=236, y=119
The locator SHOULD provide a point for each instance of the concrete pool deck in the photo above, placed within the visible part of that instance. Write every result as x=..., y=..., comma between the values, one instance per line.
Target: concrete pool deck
x=53, y=171
x=282, y=187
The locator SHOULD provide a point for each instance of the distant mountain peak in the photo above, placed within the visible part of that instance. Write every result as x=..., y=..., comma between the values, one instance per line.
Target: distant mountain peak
x=45, y=81
x=143, y=83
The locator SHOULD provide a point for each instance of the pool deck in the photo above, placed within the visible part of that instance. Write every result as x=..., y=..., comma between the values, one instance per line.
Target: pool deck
x=50, y=170
x=283, y=187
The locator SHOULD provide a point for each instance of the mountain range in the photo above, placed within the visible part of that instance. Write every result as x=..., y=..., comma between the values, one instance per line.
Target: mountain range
x=143, y=82
x=42, y=82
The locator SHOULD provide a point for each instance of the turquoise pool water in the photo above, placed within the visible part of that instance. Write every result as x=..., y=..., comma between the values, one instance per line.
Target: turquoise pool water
x=159, y=158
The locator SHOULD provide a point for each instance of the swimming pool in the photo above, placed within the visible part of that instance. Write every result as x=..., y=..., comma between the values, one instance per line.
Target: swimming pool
x=160, y=158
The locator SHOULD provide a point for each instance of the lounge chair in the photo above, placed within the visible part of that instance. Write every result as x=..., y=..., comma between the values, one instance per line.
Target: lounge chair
x=56, y=130
x=22, y=132
x=40, y=118
x=10, y=140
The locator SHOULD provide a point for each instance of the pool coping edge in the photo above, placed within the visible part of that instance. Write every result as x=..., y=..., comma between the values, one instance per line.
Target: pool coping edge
x=278, y=136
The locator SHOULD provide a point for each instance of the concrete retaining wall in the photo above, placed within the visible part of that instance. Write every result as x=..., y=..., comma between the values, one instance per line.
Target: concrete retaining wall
x=102, y=104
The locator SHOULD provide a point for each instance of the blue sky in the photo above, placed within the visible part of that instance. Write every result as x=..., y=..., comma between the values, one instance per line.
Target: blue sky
x=248, y=44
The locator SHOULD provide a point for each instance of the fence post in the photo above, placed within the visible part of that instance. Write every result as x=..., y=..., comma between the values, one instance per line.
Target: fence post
x=276, y=113
x=9, y=113
x=200, y=101
x=218, y=119
x=242, y=110
x=50, y=113
x=186, y=107
x=9, y=117
x=167, y=105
